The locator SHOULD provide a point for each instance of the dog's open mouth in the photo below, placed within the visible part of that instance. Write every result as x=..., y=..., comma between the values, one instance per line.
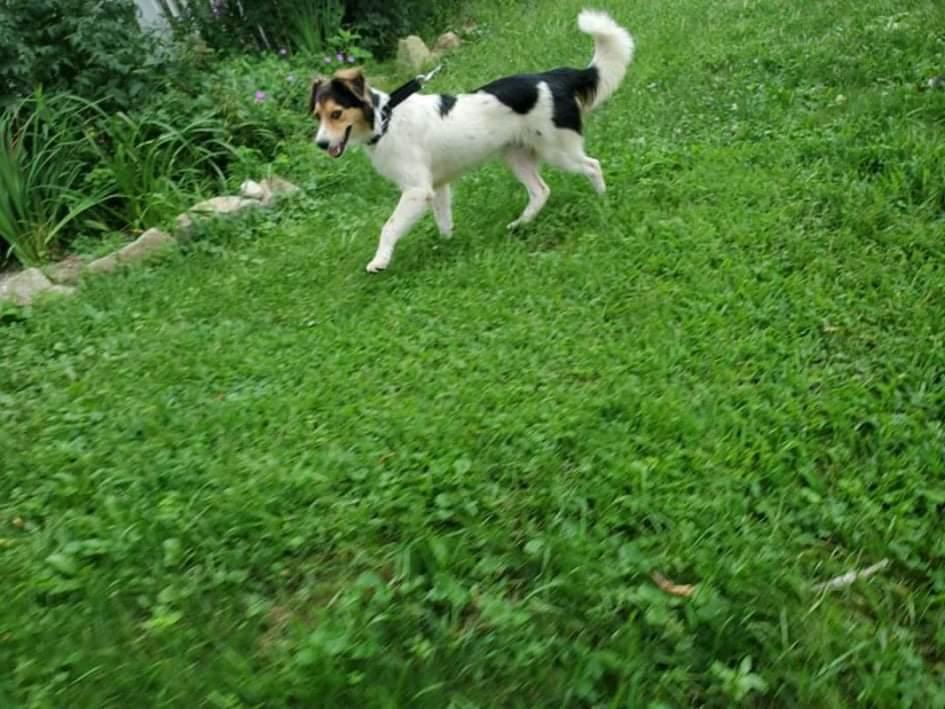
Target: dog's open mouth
x=336, y=151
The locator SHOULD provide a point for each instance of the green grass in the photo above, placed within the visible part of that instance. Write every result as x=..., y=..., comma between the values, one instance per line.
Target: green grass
x=252, y=475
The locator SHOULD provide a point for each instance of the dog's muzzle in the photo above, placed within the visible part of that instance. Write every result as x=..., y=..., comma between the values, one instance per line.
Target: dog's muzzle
x=336, y=151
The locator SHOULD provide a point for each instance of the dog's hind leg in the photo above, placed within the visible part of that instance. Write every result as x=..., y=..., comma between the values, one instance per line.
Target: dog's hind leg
x=443, y=210
x=413, y=203
x=567, y=153
x=524, y=164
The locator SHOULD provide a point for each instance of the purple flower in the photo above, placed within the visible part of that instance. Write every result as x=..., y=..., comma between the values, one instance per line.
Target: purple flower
x=340, y=57
x=260, y=96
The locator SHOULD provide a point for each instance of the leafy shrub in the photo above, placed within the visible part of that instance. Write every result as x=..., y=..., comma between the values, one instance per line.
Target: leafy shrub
x=151, y=165
x=69, y=166
x=310, y=25
x=44, y=160
x=260, y=25
x=259, y=102
x=383, y=22
x=314, y=24
x=90, y=48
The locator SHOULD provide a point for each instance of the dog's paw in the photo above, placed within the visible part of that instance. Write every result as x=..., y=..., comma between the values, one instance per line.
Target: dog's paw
x=377, y=265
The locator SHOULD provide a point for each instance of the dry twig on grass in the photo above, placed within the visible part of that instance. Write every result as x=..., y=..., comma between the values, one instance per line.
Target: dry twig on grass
x=682, y=590
x=848, y=578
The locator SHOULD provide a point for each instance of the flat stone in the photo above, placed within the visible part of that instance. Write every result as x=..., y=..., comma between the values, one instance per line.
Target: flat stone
x=216, y=206
x=150, y=242
x=183, y=225
x=413, y=53
x=106, y=264
x=253, y=190
x=66, y=271
x=22, y=288
x=446, y=42
x=278, y=186
x=267, y=191
x=64, y=291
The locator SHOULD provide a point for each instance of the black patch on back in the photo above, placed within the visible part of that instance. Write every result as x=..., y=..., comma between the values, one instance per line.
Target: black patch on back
x=568, y=86
x=446, y=104
x=520, y=93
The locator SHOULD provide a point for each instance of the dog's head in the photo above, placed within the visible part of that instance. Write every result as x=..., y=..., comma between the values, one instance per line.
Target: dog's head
x=342, y=105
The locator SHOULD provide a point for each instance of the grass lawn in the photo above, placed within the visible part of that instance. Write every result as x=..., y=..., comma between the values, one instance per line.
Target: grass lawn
x=252, y=475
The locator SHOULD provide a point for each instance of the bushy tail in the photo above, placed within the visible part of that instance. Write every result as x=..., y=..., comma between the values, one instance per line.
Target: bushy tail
x=613, y=51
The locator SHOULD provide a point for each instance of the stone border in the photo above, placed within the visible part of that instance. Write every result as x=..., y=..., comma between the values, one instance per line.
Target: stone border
x=413, y=53
x=62, y=277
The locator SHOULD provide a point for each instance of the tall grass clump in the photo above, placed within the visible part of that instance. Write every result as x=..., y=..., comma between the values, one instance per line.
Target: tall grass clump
x=153, y=165
x=44, y=161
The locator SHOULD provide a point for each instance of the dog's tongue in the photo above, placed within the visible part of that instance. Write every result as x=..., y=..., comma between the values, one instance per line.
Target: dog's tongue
x=336, y=150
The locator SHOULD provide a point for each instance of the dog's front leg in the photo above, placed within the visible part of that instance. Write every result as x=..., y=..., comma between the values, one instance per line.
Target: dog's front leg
x=413, y=203
x=443, y=210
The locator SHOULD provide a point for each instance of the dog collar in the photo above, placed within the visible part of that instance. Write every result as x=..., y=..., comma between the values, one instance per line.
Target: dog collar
x=397, y=97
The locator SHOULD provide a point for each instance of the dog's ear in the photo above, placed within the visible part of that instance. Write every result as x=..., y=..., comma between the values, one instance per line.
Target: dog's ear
x=317, y=83
x=354, y=79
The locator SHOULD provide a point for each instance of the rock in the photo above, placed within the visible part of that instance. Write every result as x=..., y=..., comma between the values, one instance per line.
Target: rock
x=64, y=291
x=106, y=264
x=150, y=242
x=446, y=42
x=253, y=190
x=23, y=288
x=413, y=53
x=268, y=190
x=217, y=206
x=183, y=225
x=222, y=205
x=277, y=186
x=66, y=271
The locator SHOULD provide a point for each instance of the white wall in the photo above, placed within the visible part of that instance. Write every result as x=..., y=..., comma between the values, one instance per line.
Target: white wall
x=151, y=13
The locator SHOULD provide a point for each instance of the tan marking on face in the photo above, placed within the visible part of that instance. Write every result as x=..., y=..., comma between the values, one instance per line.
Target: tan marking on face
x=339, y=121
x=336, y=119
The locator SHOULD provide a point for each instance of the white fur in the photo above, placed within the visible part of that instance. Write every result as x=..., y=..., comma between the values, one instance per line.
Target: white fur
x=422, y=152
x=613, y=51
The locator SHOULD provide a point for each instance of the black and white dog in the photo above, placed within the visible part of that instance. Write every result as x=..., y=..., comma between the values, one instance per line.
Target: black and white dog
x=423, y=142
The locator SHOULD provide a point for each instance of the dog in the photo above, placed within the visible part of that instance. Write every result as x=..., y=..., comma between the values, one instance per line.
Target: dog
x=423, y=142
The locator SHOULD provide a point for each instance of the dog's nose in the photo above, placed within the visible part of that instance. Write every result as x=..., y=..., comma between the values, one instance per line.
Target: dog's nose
x=323, y=144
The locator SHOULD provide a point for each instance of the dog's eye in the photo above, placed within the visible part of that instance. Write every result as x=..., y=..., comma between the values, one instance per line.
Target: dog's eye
x=335, y=115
